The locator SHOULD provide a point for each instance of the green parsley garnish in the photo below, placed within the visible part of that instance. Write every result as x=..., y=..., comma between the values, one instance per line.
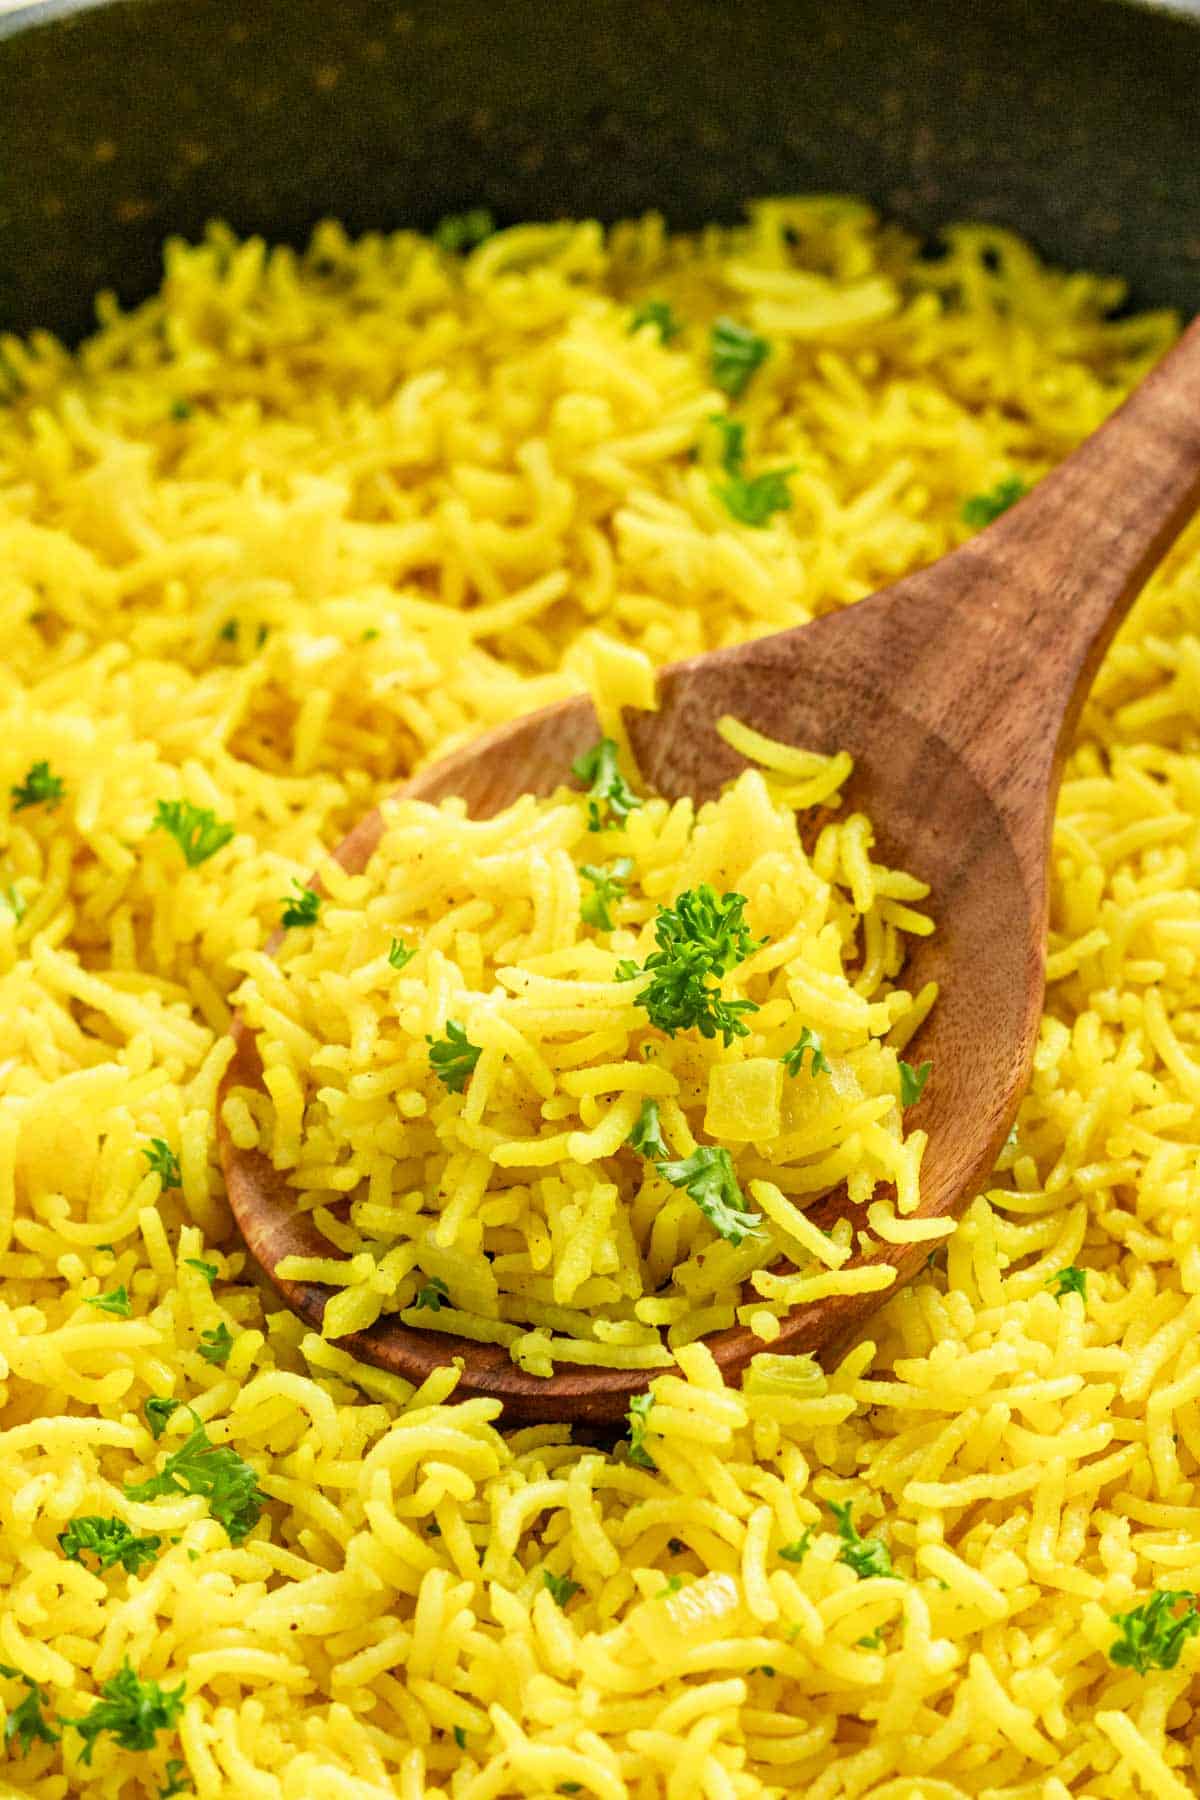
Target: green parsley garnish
x=569, y=1787
x=639, y=1416
x=1069, y=1281
x=452, y=1058
x=134, y=1711
x=434, y=1296
x=736, y=353
x=866, y=1556
x=912, y=1081
x=196, y=829
x=14, y=901
x=761, y=1669
x=799, y=1550
x=215, y=1471
x=165, y=1163
x=1152, y=1635
x=559, y=1586
x=707, y=1177
x=808, y=1043
x=207, y=1269
x=610, y=797
x=302, y=909
x=158, y=1410
x=608, y=886
x=110, y=1541
x=981, y=509
x=659, y=314
x=460, y=1737
x=228, y=632
x=673, y=1586
x=751, y=501
x=39, y=788
x=400, y=955
x=177, y=1779
x=26, y=1722
x=181, y=410
x=116, y=1303
x=433, y=1529
x=215, y=1345
x=460, y=232
x=699, y=939
x=646, y=1137
x=873, y=1640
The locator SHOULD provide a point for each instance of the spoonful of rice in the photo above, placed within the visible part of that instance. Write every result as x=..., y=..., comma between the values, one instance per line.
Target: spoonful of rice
x=707, y=1016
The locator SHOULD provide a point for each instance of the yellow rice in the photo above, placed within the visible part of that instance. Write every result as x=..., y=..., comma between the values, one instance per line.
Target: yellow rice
x=482, y=465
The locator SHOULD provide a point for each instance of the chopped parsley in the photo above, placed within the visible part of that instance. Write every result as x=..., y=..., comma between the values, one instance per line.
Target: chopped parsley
x=110, y=1541
x=158, y=1410
x=673, y=1586
x=707, y=1177
x=452, y=1058
x=610, y=797
x=912, y=1081
x=559, y=1586
x=460, y=1737
x=228, y=632
x=215, y=1345
x=981, y=509
x=866, y=1556
x=26, y=1721
x=646, y=1137
x=177, y=1779
x=639, y=1418
x=207, y=1269
x=434, y=1296
x=302, y=908
x=215, y=1471
x=807, y=1044
x=14, y=901
x=196, y=829
x=873, y=1640
x=750, y=501
x=1152, y=1635
x=659, y=314
x=736, y=353
x=799, y=1550
x=459, y=232
x=699, y=939
x=164, y=1162
x=181, y=410
x=134, y=1711
x=400, y=955
x=116, y=1303
x=761, y=1669
x=569, y=1787
x=1070, y=1280
x=608, y=886
x=39, y=788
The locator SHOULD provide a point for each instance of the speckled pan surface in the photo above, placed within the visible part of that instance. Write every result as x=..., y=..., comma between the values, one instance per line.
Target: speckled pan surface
x=1077, y=121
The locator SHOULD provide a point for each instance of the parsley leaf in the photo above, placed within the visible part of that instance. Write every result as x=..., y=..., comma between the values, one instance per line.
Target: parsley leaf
x=736, y=353
x=116, y=1303
x=207, y=1269
x=732, y=434
x=165, y=1163
x=797, y=1552
x=981, y=509
x=14, y=900
x=610, y=797
x=609, y=886
x=216, y=1471
x=639, y=1415
x=452, y=1058
x=873, y=1640
x=646, y=1137
x=215, y=1345
x=753, y=500
x=807, y=1042
x=181, y=410
x=1069, y=1281
x=703, y=935
x=866, y=1556
x=25, y=1722
x=196, y=829
x=912, y=1081
x=659, y=314
x=39, y=788
x=177, y=1780
x=400, y=955
x=460, y=232
x=560, y=1586
x=673, y=1586
x=302, y=909
x=460, y=1737
x=1152, y=1635
x=110, y=1541
x=569, y=1787
x=134, y=1711
x=707, y=1177
x=158, y=1410
x=434, y=1296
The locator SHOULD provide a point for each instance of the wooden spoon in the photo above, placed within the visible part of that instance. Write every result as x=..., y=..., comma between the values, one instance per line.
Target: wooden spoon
x=956, y=692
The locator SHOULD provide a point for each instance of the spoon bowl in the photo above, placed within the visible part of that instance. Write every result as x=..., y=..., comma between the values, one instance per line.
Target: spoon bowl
x=956, y=692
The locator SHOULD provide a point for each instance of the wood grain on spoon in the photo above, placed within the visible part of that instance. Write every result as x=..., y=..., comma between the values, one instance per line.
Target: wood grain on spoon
x=956, y=692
